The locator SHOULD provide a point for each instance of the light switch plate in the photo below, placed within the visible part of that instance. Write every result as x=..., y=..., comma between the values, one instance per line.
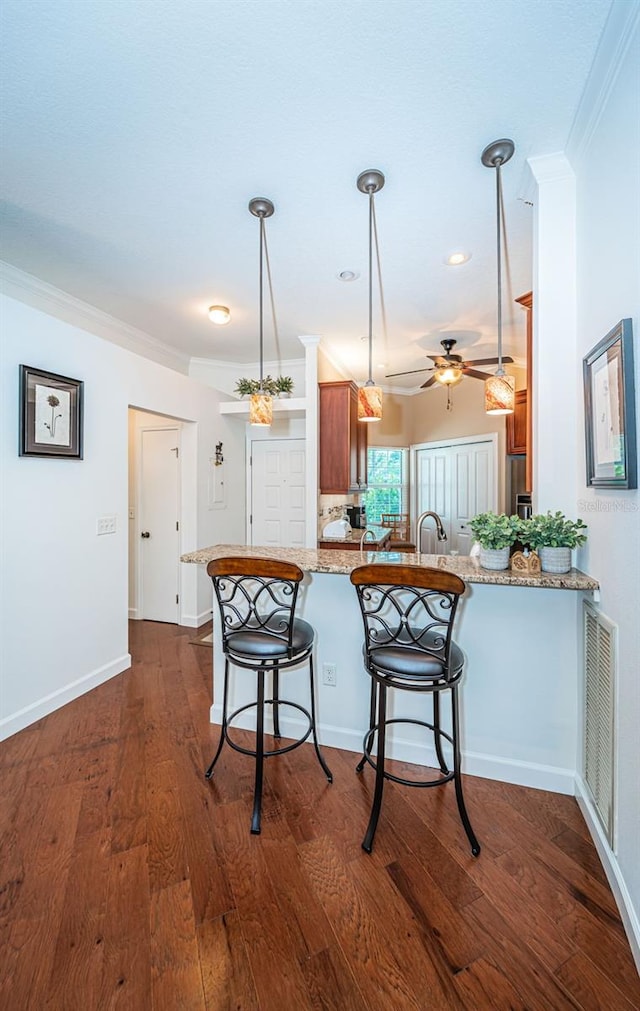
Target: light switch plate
x=105, y=525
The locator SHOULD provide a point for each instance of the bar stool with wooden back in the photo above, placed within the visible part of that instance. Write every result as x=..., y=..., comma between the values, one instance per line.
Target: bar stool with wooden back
x=408, y=615
x=257, y=600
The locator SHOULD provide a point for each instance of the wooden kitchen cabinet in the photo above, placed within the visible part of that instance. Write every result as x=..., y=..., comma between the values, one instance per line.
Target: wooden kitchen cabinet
x=526, y=301
x=517, y=425
x=343, y=440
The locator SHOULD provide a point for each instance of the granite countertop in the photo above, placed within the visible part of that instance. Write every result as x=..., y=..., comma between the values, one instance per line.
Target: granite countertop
x=343, y=563
x=381, y=534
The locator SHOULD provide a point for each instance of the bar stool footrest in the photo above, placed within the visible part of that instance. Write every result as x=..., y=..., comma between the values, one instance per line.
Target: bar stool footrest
x=424, y=783
x=276, y=751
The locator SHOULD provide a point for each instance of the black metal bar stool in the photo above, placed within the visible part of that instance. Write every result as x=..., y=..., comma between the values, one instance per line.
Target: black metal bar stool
x=408, y=615
x=257, y=599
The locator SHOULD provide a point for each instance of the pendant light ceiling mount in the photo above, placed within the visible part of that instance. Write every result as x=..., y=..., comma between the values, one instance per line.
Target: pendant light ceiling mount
x=370, y=182
x=499, y=389
x=261, y=207
x=498, y=153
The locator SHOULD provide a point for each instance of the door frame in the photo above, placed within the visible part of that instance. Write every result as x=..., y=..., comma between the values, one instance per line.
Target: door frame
x=490, y=438
x=250, y=439
x=173, y=426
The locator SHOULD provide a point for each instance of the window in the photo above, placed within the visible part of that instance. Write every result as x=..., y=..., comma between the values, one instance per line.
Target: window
x=387, y=480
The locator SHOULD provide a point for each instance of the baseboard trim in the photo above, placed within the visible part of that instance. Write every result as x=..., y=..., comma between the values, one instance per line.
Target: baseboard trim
x=30, y=714
x=196, y=620
x=133, y=613
x=629, y=916
x=538, y=777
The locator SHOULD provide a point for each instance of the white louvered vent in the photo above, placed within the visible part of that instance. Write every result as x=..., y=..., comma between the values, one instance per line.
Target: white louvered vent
x=600, y=667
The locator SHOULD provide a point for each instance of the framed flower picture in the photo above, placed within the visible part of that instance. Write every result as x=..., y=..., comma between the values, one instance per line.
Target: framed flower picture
x=50, y=414
x=609, y=410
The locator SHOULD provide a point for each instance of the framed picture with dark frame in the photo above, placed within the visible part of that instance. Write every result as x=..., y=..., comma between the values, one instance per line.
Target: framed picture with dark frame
x=50, y=414
x=609, y=411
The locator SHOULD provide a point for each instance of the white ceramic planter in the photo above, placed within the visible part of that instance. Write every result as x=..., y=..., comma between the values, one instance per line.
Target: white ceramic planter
x=555, y=559
x=494, y=558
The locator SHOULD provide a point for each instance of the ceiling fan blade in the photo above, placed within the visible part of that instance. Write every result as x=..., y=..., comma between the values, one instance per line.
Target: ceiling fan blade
x=392, y=375
x=488, y=361
x=475, y=374
x=429, y=382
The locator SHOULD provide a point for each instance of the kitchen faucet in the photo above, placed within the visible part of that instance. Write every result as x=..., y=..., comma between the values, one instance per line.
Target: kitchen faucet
x=364, y=537
x=441, y=532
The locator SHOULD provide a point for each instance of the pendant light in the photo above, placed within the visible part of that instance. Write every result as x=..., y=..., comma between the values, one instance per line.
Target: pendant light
x=370, y=395
x=261, y=404
x=499, y=389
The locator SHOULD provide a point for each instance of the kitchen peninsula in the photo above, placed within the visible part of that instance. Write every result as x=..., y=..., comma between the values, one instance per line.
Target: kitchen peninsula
x=519, y=633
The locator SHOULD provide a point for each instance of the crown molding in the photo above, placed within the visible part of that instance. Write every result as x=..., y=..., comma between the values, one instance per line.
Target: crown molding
x=276, y=364
x=47, y=298
x=548, y=168
x=618, y=35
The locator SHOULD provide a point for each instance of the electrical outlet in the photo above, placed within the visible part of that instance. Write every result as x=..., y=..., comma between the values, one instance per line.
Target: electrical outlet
x=105, y=525
x=329, y=674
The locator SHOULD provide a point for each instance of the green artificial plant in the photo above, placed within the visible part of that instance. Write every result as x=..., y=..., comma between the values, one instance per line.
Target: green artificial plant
x=551, y=530
x=494, y=531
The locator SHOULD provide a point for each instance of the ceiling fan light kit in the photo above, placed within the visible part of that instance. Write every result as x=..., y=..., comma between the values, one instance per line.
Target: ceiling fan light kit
x=370, y=395
x=500, y=389
x=261, y=404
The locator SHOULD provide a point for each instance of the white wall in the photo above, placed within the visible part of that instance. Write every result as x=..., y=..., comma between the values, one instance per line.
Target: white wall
x=606, y=162
x=64, y=589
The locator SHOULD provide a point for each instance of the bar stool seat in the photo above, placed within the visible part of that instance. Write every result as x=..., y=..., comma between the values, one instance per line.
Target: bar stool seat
x=408, y=614
x=257, y=600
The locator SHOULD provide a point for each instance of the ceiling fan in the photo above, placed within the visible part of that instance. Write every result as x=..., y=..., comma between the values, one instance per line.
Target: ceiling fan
x=449, y=368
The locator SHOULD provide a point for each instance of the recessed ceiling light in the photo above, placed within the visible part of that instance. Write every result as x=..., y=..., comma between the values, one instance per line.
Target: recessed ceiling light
x=456, y=259
x=219, y=314
x=348, y=275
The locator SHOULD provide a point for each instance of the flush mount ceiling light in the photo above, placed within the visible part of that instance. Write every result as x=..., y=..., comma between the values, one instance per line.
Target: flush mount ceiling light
x=219, y=314
x=370, y=395
x=457, y=259
x=348, y=275
x=499, y=389
x=261, y=405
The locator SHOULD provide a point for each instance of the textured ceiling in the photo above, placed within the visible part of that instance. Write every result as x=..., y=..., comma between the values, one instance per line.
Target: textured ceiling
x=135, y=133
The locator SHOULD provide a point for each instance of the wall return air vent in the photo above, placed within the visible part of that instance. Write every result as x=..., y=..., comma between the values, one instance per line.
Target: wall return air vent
x=600, y=638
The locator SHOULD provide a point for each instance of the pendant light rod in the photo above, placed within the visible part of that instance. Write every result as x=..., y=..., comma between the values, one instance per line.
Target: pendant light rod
x=370, y=182
x=261, y=208
x=499, y=370
x=496, y=155
x=371, y=192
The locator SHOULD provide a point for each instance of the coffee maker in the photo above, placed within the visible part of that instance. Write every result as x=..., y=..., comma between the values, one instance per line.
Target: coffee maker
x=357, y=517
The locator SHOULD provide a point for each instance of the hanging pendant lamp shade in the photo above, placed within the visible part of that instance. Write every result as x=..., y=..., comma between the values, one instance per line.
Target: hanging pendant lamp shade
x=261, y=404
x=370, y=402
x=500, y=389
x=370, y=395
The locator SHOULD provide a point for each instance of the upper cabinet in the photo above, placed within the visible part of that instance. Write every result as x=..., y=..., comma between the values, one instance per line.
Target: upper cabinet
x=526, y=301
x=343, y=440
x=517, y=425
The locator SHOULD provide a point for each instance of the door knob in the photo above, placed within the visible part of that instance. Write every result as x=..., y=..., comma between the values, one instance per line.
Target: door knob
x=145, y=533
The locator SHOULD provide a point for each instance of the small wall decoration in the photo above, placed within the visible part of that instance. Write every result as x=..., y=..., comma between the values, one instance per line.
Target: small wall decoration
x=50, y=414
x=609, y=407
x=219, y=458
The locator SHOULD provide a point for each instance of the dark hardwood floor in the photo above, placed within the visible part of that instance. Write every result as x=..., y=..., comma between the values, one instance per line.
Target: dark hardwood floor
x=129, y=882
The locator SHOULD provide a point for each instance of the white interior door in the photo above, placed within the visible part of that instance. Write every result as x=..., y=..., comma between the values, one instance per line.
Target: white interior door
x=159, y=520
x=278, y=493
x=457, y=481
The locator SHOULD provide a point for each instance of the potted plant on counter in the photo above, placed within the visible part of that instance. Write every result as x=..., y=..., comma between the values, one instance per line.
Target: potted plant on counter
x=495, y=534
x=553, y=536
